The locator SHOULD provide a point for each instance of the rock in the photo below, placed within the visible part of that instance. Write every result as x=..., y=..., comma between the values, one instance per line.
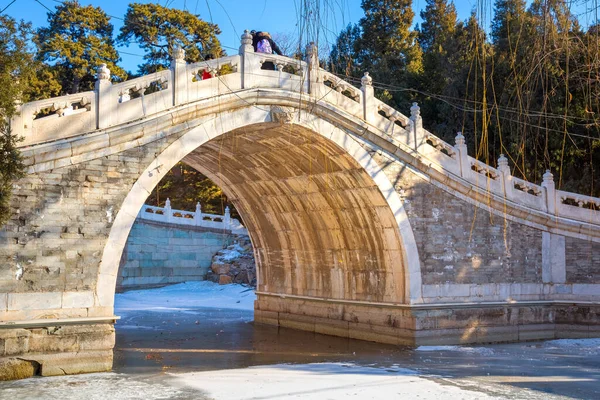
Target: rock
x=220, y=269
x=224, y=279
x=242, y=277
x=12, y=368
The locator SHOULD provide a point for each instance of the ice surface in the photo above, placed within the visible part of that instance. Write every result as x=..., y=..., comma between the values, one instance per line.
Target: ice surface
x=187, y=295
x=590, y=346
x=321, y=381
x=477, y=350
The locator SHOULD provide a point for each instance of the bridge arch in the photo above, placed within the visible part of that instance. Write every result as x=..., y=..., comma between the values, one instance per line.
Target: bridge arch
x=383, y=268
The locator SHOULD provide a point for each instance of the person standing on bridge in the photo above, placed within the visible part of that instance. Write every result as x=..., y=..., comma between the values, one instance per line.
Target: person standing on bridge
x=263, y=43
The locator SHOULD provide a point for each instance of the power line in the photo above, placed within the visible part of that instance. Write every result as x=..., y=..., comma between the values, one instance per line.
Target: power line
x=9, y=4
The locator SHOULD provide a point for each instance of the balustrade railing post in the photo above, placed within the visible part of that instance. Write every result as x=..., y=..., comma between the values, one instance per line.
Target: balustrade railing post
x=17, y=122
x=227, y=218
x=550, y=192
x=417, y=126
x=105, y=104
x=505, y=171
x=198, y=214
x=312, y=61
x=463, y=156
x=168, y=212
x=179, y=76
x=246, y=61
x=368, y=97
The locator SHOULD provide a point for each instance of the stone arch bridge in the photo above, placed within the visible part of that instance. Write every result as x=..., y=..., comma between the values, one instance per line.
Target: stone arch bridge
x=364, y=224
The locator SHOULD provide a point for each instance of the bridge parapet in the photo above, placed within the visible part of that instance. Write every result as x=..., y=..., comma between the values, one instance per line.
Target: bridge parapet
x=65, y=118
x=193, y=218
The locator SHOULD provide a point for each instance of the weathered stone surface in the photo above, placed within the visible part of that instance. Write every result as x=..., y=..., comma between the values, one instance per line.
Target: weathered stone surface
x=14, y=368
x=162, y=253
x=582, y=261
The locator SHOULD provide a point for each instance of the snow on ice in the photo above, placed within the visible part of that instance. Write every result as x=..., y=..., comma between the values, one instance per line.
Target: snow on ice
x=321, y=381
x=187, y=296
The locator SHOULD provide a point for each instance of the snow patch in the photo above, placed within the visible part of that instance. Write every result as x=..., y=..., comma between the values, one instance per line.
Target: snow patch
x=587, y=345
x=19, y=272
x=109, y=214
x=320, y=381
x=188, y=295
x=474, y=350
x=229, y=254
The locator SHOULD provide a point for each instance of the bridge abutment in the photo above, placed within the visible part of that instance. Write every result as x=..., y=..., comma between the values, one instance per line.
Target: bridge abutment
x=431, y=324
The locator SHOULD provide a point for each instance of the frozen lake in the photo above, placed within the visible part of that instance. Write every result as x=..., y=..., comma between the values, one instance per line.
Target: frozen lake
x=197, y=341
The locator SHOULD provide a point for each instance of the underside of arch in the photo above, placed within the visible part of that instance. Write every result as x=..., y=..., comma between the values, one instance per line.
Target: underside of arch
x=319, y=224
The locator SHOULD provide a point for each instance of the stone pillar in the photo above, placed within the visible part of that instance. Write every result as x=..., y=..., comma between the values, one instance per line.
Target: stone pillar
x=550, y=192
x=417, y=126
x=246, y=57
x=463, y=156
x=368, y=97
x=505, y=171
x=312, y=60
x=280, y=70
x=179, y=76
x=554, y=269
x=104, y=102
x=17, y=122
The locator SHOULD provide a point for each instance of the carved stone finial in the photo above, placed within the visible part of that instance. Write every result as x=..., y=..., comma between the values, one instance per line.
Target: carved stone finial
x=246, y=46
x=198, y=208
x=103, y=73
x=459, y=140
x=246, y=38
x=227, y=211
x=282, y=115
x=415, y=111
x=168, y=203
x=178, y=53
x=502, y=161
x=503, y=164
x=366, y=80
x=548, y=177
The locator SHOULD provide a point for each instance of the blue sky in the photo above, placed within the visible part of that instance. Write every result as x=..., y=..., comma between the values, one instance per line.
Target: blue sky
x=232, y=16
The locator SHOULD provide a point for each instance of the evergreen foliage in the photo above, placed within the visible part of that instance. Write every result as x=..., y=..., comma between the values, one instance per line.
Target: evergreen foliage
x=530, y=90
x=158, y=29
x=76, y=41
x=16, y=69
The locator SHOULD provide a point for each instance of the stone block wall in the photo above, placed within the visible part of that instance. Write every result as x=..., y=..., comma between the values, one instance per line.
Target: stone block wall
x=460, y=243
x=50, y=251
x=583, y=261
x=160, y=253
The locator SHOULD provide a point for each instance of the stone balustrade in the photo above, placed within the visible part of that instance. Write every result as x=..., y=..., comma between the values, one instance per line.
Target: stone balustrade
x=193, y=218
x=115, y=105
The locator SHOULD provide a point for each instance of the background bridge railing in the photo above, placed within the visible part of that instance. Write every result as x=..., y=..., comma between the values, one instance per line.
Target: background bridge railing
x=113, y=105
x=193, y=218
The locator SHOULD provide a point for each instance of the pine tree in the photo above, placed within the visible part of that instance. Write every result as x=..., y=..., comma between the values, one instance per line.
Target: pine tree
x=344, y=53
x=438, y=39
x=390, y=51
x=439, y=23
x=16, y=70
x=77, y=40
x=157, y=30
